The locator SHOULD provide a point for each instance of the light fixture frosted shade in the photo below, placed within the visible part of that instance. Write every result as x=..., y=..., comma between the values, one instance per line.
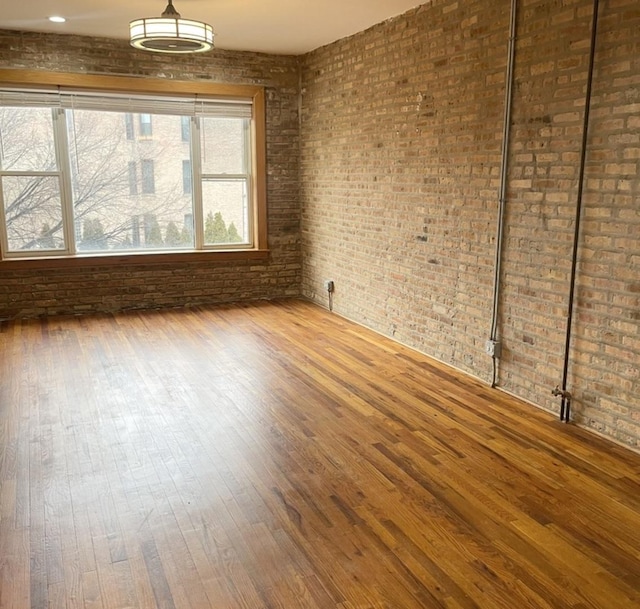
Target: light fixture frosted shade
x=169, y=35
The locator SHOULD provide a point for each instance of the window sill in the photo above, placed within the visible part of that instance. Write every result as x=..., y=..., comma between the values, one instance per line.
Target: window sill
x=131, y=259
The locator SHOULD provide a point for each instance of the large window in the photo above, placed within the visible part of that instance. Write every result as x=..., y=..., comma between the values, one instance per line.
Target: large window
x=73, y=180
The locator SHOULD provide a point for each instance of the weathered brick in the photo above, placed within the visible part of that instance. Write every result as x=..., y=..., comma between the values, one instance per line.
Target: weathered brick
x=431, y=238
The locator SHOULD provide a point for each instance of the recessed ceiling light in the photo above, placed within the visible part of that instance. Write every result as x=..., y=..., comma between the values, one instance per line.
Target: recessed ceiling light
x=57, y=19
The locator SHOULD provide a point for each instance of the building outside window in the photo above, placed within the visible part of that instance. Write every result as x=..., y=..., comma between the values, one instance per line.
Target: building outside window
x=145, y=125
x=185, y=128
x=133, y=178
x=128, y=125
x=148, y=178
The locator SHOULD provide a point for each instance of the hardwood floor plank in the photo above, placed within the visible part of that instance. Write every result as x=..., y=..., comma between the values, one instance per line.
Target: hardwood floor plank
x=272, y=455
x=157, y=576
x=90, y=585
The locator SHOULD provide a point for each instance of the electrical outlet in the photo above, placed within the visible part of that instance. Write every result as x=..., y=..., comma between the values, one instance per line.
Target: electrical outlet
x=493, y=348
x=329, y=286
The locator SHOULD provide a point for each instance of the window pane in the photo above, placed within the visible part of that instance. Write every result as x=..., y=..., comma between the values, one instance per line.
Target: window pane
x=223, y=145
x=33, y=212
x=225, y=211
x=128, y=194
x=27, y=140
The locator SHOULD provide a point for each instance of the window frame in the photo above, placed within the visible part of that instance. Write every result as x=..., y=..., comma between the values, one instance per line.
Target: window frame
x=134, y=85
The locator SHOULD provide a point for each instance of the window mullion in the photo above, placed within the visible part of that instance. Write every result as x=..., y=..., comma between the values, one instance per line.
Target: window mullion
x=66, y=190
x=196, y=169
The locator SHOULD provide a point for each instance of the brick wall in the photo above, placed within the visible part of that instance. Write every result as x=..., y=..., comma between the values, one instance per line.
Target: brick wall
x=606, y=358
x=400, y=164
x=101, y=288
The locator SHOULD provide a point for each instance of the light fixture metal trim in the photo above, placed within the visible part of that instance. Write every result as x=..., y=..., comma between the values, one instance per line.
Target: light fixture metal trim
x=169, y=33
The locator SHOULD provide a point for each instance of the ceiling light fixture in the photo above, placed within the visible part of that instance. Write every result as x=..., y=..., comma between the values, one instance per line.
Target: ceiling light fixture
x=169, y=33
x=57, y=19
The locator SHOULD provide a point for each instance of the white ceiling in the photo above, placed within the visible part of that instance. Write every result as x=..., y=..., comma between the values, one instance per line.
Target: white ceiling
x=269, y=26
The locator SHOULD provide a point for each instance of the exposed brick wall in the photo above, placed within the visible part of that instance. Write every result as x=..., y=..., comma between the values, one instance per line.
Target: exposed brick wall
x=400, y=159
x=551, y=75
x=111, y=288
x=400, y=164
x=606, y=361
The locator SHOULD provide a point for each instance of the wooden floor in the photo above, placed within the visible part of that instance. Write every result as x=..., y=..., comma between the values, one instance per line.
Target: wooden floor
x=277, y=456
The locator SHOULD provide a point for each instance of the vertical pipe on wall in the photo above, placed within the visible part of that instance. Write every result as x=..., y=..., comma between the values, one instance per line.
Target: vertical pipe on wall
x=566, y=402
x=506, y=131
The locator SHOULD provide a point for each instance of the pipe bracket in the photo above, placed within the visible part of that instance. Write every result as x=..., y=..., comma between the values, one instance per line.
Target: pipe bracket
x=563, y=393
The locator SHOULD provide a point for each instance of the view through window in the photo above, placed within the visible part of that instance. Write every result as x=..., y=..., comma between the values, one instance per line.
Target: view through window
x=82, y=174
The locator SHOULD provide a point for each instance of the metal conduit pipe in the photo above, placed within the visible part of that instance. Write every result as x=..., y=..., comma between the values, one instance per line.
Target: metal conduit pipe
x=561, y=390
x=502, y=194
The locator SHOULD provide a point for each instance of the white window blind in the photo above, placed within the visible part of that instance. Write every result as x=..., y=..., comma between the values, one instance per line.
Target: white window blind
x=35, y=98
x=116, y=102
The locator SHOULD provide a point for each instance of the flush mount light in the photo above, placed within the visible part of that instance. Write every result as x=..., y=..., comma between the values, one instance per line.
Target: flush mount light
x=169, y=33
x=57, y=19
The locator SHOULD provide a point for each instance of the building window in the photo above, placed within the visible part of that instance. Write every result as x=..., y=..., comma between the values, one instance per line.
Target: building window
x=145, y=125
x=128, y=125
x=185, y=129
x=133, y=178
x=187, y=189
x=70, y=183
x=148, y=179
